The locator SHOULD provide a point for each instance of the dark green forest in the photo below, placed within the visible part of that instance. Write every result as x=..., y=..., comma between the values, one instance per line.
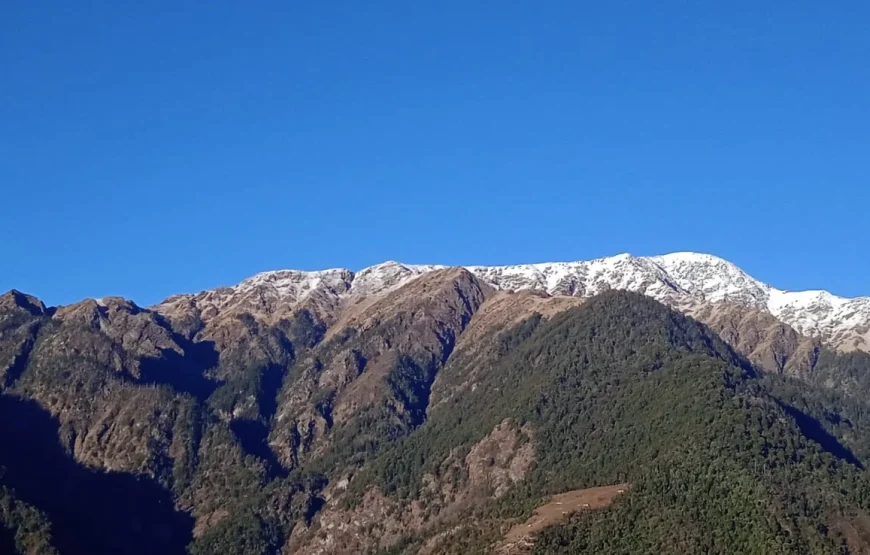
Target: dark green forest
x=722, y=458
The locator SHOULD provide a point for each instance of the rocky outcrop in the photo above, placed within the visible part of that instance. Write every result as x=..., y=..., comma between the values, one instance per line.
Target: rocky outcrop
x=276, y=295
x=768, y=343
x=492, y=466
x=83, y=367
x=20, y=318
x=135, y=334
x=382, y=363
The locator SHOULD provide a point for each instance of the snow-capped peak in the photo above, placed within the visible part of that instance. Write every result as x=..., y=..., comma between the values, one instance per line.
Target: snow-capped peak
x=712, y=279
x=299, y=284
x=279, y=291
x=385, y=277
x=688, y=276
x=674, y=279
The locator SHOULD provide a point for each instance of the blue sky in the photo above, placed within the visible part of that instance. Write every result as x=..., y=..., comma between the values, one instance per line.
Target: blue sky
x=150, y=148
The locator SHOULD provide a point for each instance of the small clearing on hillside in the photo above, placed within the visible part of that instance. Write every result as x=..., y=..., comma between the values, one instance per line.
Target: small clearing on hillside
x=520, y=537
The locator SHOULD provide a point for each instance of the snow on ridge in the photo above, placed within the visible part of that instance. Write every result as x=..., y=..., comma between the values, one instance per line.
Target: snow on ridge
x=703, y=276
x=820, y=312
x=712, y=279
x=294, y=286
x=680, y=276
x=816, y=313
x=671, y=278
x=387, y=276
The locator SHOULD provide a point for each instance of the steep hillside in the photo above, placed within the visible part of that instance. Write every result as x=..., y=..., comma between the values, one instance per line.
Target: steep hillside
x=371, y=381
x=108, y=430
x=617, y=389
x=423, y=410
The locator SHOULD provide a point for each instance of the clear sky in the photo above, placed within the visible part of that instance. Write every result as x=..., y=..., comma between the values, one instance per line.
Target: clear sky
x=149, y=148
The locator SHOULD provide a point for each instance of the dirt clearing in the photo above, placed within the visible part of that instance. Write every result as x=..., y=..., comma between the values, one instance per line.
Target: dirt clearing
x=560, y=507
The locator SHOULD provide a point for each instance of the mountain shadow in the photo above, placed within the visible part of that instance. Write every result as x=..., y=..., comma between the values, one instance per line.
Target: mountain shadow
x=271, y=379
x=19, y=362
x=7, y=540
x=91, y=511
x=813, y=429
x=253, y=434
x=184, y=373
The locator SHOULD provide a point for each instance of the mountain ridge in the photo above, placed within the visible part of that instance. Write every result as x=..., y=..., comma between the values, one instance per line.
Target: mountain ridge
x=678, y=279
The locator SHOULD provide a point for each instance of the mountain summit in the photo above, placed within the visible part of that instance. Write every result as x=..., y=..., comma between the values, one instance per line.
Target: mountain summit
x=683, y=280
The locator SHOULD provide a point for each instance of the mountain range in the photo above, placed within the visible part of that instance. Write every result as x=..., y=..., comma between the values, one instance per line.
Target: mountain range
x=621, y=405
x=682, y=280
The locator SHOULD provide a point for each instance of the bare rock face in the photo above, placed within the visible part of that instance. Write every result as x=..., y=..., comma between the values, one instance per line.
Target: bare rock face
x=183, y=314
x=16, y=301
x=113, y=377
x=135, y=430
x=384, y=359
x=501, y=459
x=81, y=366
x=492, y=466
x=271, y=296
x=137, y=333
x=243, y=340
x=20, y=318
x=765, y=341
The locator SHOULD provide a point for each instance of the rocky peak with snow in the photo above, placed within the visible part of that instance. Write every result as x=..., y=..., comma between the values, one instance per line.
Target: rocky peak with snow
x=277, y=293
x=684, y=278
x=677, y=279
